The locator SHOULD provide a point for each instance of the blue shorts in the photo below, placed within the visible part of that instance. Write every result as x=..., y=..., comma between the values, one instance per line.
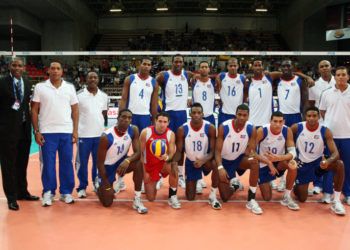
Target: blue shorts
x=290, y=119
x=307, y=172
x=192, y=173
x=265, y=176
x=141, y=121
x=232, y=167
x=177, y=119
x=111, y=170
x=224, y=117
x=210, y=119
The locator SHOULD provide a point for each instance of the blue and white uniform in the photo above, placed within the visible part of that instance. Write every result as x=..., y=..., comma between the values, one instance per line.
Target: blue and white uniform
x=310, y=147
x=289, y=99
x=196, y=147
x=139, y=100
x=91, y=126
x=260, y=100
x=204, y=93
x=175, y=97
x=231, y=94
x=234, y=146
x=274, y=143
x=118, y=148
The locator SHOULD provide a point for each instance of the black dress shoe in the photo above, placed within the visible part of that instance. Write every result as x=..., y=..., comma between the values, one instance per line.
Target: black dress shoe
x=28, y=197
x=13, y=206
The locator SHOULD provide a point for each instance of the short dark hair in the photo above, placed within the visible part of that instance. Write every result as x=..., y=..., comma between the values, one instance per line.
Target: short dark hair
x=312, y=108
x=146, y=58
x=203, y=62
x=232, y=59
x=342, y=68
x=277, y=114
x=123, y=111
x=92, y=71
x=177, y=55
x=242, y=107
x=163, y=113
x=56, y=61
x=196, y=105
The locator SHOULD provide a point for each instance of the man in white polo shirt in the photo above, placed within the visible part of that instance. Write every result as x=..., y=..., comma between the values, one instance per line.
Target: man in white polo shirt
x=93, y=105
x=325, y=81
x=55, y=118
x=335, y=110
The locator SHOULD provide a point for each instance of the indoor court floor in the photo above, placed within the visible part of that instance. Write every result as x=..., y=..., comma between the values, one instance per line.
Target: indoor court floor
x=87, y=225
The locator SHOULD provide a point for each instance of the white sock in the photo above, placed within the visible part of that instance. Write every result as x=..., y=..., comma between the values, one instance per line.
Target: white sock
x=181, y=170
x=137, y=194
x=213, y=191
x=253, y=189
x=337, y=196
x=287, y=192
x=120, y=178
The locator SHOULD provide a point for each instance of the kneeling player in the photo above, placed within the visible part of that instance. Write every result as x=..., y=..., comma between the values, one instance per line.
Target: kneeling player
x=311, y=139
x=197, y=137
x=112, y=156
x=155, y=166
x=273, y=139
x=235, y=151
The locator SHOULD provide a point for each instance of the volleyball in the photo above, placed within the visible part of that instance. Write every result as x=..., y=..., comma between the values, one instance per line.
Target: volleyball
x=158, y=147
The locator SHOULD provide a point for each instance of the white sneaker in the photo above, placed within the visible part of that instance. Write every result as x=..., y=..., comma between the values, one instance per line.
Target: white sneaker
x=199, y=188
x=119, y=186
x=215, y=204
x=326, y=198
x=310, y=192
x=282, y=185
x=174, y=202
x=138, y=206
x=347, y=200
x=159, y=183
x=254, y=207
x=67, y=198
x=182, y=182
x=317, y=190
x=338, y=208
x=290, y=203
x=236, y=184
x=82, y=193
x=143, y=191
x=202, y=182
x=273, y=185
x=47, y=199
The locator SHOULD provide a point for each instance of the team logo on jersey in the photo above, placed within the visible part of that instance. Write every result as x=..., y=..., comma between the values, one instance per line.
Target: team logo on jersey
x=182, y=78
x=293, y=84
x=279, y=138
x=238, y=81
x=208, y=86
x=316, y=137
x=148, y=84
x=201, y=134
x=126, y=137
x=264, y=81
x=243, y=136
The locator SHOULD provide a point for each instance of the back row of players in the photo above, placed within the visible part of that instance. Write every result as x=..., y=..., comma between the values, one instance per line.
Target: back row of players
x=236, y=141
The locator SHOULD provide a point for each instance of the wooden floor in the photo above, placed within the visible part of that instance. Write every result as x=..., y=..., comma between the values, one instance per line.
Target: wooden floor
x=88, y=225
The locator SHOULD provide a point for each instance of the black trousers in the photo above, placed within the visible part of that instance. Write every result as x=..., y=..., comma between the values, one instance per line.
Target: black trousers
x=14, y=156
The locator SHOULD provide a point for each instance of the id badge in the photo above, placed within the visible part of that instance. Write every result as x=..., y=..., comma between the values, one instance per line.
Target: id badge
x=16, y=105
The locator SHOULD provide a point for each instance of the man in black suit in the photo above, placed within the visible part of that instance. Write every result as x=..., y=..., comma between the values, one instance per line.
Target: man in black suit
x=15, y=134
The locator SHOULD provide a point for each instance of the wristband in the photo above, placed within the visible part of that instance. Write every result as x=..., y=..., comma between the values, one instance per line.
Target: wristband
x=220, y=167
x=36, y=131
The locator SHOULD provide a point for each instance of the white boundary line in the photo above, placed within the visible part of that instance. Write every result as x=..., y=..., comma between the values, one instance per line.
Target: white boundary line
x=170, y=53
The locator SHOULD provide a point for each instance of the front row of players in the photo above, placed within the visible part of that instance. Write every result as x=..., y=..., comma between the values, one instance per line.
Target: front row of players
x=267, y=151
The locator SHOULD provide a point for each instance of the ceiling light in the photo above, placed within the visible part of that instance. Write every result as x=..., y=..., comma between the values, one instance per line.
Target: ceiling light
x=261, y=6
x=212, y=6
x=117, y=7
x=161, y=6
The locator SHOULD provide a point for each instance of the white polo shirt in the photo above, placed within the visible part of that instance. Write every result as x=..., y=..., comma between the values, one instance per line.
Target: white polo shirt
x=55, y=106
x=91, y=120
x=337, y=107
x=320, y=86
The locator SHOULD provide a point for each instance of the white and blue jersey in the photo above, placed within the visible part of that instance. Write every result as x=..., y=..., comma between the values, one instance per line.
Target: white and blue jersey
x=140, y=94
x=289, y=95
x=235, y=143
x=310, y=144
x=118, y=146
x=231, y=92
x=196, y=141
x=175, y=90
x=274, y=143
x=204, y=93
x=260, y=100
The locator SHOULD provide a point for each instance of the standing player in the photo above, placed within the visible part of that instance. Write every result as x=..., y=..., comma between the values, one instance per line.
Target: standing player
x=140, y=95
x=235, y=151
x=174, y=84
x=203, y=92
x=93, y=105
x=292, y=94
x=276, y=153
x=311, y=139
x=197, y=138
x=112, y=156
x=325, y=81
x=334, y=106
x=156, y=166
x=230, y=86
